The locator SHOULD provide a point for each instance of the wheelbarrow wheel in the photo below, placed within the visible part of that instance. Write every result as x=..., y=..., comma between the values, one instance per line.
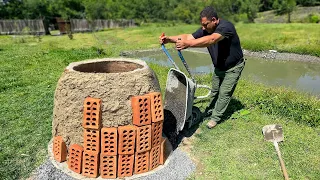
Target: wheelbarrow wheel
x=196, y=116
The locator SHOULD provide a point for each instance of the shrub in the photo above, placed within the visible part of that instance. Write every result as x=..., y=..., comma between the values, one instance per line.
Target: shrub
x=314, y=18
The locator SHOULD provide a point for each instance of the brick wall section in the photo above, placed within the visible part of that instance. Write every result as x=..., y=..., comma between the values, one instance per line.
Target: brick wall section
x=127, y=137
x=141, y=163
x=109, y=143
x=90, y=166
x=59, y=149
x=156, y=133
x=108, y=166
x=141, y=110
x=156, y=106
x=92, y=113
x=154, y=157
x=91, y=140
x=143, y=138
x=125, y=165
x=75, y=158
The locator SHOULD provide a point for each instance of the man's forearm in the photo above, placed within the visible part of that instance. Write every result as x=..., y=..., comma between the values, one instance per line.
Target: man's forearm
x=205, y=41
x=173, y=39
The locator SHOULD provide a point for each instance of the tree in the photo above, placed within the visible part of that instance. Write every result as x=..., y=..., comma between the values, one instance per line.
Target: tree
x=12, y=10
x=284, y=7
x=307, y=2
x=251, y=8
x=265, y=5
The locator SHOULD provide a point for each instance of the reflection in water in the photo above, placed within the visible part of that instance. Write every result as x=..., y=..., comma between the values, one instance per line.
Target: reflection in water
x=302, y=76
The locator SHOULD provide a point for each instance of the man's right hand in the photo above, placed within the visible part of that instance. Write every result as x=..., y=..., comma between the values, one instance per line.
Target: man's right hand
x=163, y=39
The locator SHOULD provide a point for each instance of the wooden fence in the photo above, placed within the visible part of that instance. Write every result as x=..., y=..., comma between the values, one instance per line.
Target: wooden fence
x=21, y=27
x=77, y=25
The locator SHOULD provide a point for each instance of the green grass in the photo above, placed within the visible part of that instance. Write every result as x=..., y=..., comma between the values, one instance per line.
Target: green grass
x=299, y=15
x=30, y=71
x=293, y=38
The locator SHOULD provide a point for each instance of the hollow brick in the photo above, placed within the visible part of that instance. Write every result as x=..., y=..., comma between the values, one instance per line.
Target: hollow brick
x=75, y=158
x=59, y=149
x=92, y=113
x=125, y=165
x=108, y=166
x=156, y=106
x=90, y=165
x=156, y=133
x=109, y=143
x=126, y=140
x=165, y=150
x=91, y=140
x=154, y=157
x=141, y=110
x=143, y=138
x=141, y=163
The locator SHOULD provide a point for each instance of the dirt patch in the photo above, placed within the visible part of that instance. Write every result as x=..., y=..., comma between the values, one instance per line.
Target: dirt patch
x=113, y=82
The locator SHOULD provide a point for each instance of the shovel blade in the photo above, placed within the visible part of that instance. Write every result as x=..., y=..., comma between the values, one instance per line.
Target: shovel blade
x=272, y=133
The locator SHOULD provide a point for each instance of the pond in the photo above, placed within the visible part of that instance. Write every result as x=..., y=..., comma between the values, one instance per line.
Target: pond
x=301, y=76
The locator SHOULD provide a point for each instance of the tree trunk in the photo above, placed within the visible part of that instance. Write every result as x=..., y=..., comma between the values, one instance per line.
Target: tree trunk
x=289, y=17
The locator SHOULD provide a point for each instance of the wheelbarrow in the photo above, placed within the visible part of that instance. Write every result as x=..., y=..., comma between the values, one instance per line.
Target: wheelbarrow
x=179, y=97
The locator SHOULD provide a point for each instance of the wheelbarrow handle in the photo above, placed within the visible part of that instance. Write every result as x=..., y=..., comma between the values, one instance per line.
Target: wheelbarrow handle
x=284, y=170
x=204, y=87
x=185, y=63
x=168, y=55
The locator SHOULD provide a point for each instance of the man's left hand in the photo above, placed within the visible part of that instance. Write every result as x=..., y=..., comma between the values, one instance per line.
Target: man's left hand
x=181, y=44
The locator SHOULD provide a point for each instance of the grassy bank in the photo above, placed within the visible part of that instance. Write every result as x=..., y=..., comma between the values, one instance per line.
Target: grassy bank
x=299, y=15
x=30, y=70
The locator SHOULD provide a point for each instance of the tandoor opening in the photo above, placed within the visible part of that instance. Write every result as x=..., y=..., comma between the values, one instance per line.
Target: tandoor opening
x=107, y=67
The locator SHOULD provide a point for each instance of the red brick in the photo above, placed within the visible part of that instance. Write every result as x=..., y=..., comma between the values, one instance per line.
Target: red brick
x=59, y=149
x=90, y=166
x=109, y=143
x=156, y=133
x=154, y=157
x=125, y=165
x=75, y=158
x=127, y=137
x=141, y=110
x=156, y=106
x=91, y=140
x=141, y=162
x=165, y=150
x=143, y=138
x=92, y=113
x=108, y=166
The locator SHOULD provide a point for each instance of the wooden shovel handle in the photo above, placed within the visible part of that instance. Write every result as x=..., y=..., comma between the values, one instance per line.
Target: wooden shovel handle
x=284, y=170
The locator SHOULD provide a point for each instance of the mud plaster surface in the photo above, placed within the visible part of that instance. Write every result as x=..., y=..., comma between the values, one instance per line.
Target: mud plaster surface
x=114, y=89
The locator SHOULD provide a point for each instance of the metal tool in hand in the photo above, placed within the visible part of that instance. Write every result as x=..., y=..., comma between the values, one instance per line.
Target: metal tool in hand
x=273, y=133
x=168, y=55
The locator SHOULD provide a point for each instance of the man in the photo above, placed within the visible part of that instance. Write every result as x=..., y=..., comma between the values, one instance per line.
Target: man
x=222, y=41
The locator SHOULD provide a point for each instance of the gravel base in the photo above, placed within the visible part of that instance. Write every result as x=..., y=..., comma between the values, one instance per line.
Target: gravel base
x=178, y=167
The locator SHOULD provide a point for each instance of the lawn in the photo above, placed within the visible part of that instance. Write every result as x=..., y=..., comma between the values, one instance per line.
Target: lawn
x=30, y=68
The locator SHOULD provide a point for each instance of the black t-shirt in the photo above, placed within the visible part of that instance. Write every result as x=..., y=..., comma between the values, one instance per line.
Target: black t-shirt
x=226, y=53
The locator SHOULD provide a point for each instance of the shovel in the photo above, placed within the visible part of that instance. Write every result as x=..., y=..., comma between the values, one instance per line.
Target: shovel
x=273, y=133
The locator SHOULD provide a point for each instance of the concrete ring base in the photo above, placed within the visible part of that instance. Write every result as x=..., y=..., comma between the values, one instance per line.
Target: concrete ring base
x=64, y=167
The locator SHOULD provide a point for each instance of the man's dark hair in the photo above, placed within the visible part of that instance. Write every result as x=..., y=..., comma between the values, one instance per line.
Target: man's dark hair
x=209, y=12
